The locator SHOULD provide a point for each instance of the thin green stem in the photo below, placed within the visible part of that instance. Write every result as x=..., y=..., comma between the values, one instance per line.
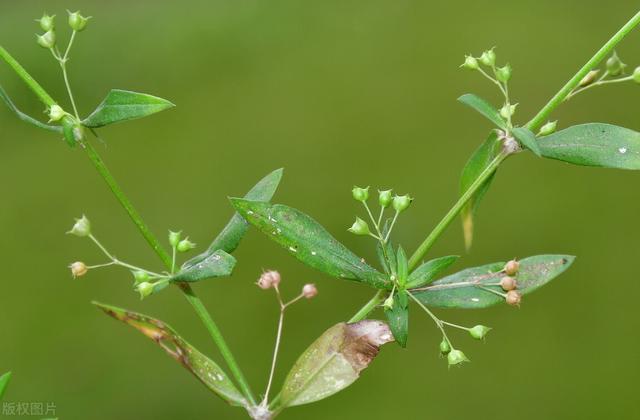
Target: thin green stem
x=600, y=55
x=26, y=77
x=393, y=222
x=453, y=212
x=437, y=320
x=377, y=299
x=600, y=82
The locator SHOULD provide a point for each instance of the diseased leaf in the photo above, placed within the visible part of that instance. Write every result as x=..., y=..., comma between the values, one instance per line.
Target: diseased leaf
x=398, y=318
x=218, y=264
x=229, y=238
x=308, y=241
x=594, y=144
x=484, y=108
x=428, y=271
x=464, y=289
x=4, y=383
x=334, y=361
x=123, y=105
x=527, y=139
x=478, y=162
x=206, y=370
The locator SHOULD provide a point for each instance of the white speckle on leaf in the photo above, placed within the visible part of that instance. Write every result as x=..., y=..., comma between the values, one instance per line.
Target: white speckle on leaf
x=475, y=299
x=250, y=212
x=292, y=249
x=622, y=150
x=313, y=252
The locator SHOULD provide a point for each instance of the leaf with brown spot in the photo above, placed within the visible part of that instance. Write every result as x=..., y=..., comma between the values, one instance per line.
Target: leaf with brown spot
x=334, y=361
x=207, y=371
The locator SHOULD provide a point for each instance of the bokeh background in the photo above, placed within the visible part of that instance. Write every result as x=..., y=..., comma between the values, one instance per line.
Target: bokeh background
x=339, y=93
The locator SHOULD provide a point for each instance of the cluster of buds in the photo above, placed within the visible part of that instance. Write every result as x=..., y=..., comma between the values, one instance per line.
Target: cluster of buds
x=455, y=356
x=179, y=244
x=386, y=198
x=271, y=279
x=509, y=284
x=47, y=40
x=488, y=59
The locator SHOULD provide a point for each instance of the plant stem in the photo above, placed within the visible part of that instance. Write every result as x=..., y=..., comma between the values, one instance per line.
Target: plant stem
x=559, y=97
x=453, y=212
x=26, y=77
x=376, y=300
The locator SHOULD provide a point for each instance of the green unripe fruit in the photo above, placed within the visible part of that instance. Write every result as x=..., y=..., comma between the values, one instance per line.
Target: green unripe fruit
x=445, y=348
x=359, y=227
x=636, y=75
x=81, y=228
x=140, y=276
x=77, y=22
x=145, y=289
x=174, y=238
x=549, y=128
x=507, y=111
x=479, y=332
x=470, y=63
x=388, y=303
x=185, y=245
x=488, y=58
x=401, y=202
x=456, y=357
x=47, y=40
x=614, y=65
x=46, y=22
x=56, y=113
x=360, y=194
x=385, y=198
x=503, y=74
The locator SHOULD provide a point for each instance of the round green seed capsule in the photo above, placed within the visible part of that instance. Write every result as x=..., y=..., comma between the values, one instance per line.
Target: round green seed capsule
x=445, y=348
x=47, y=40
x=359, y=227
x=401, y=202
x=503, y=74
x=77, y=22
x=614, y=65
x=488, y=58
x=46, y=22
x=385, y=198
x=479, y=332
x=456, y=357
x=470, y=63
x=360, y=194
x=636, y=75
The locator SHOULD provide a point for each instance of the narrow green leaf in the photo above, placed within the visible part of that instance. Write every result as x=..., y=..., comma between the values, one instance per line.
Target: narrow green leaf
x=218, y=264
x=308, y=241
x=527, y=139
x=390, y=267
x=24, y=117
x=229, y=238
x=428, y=271
x=123, y=105
x=484, y=108
x=398, y=318
x=594, y=144
x=478, y=162
x=403, y=266
x=203, y=368
x=4, y=382
x=465, y=288
x=334, y=361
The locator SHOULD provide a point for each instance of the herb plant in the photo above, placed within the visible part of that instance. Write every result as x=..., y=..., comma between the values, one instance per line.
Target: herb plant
x=335, y=360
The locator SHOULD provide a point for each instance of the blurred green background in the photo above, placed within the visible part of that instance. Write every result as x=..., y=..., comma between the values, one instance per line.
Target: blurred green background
x=339, y=92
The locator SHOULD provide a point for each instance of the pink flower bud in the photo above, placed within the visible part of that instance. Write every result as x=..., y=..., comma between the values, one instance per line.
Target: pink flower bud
x=309, y=290
x=269, y=279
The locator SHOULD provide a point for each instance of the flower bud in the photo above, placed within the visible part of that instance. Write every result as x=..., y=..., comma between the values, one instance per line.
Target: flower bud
x=508, y=110
x=46, y=22
x=185, y=245
x=615, y=66
x=503, y=74
x=511, y=268
x=488, y=58
x=269, y=279
x=388, y=303
x=145, y=289
x=470, y=62
x=385, y=198
x=77, y=21
x=589, y=78
x=548, y=128
x=456, y=357
x=514, y=298
x=140, y=276
x=309, y=290
x=359, y=227
x=636, y=75
x=47, y=40
x=56, y=113
x=81, y=228
x=479, y=332
x=174, y=238
x=78, y=269
x=360, y=194
x=508, y=283
x=401, y=202
x=445, y=347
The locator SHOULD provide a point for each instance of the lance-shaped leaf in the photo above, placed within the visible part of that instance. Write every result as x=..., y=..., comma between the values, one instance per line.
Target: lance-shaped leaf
x=478, y=162
x=527, y=139
x=308, y=241
x=24, y=117
x=229, y=239
x=428, y=271
x=594, y=144
x=218, y=264
x=468, y=288
x=398, y=318
x=206, y=370
x=484, y=108
x=4, y=383
x=333, y=362
x=123, y=105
